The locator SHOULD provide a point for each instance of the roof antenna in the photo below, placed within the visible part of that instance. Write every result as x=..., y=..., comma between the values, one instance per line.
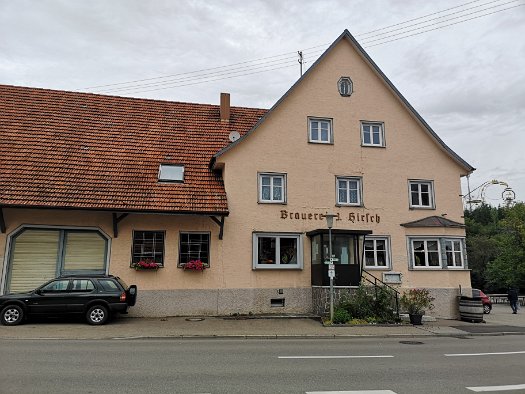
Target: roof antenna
x=300, y=61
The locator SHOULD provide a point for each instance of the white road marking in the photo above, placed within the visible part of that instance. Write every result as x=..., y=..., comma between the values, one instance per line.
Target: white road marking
x=353, y=392
x=328, y=357
x=497, y=388
x=482, y=354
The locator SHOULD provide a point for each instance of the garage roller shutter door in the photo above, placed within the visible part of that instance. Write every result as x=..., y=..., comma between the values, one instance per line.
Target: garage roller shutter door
x=84, y=251
x=34, y=259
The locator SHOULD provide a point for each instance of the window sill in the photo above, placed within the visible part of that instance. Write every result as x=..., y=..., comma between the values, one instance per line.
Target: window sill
x=372, y=146
x=437, y=269
x=320, y=143
x=272, y=202
x=422, y=208
x=277, y=267
x=377, y=268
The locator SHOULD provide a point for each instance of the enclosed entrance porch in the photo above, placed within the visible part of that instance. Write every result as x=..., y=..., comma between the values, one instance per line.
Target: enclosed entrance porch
x=347, y=250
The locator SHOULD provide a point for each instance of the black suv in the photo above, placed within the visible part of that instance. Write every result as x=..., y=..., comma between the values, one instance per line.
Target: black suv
x=94, y=296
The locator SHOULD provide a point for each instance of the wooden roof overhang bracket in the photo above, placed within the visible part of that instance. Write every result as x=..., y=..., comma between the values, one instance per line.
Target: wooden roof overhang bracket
x=116, y=220
x=220, y=223
x=2, y=221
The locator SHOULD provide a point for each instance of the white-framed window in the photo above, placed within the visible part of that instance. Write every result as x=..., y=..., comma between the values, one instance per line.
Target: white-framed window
x=372, y=134
x=277, y=251
x=348, y=191
x=171, y=173
x=437, y=253
x=421, y=194
x=377, y=252
x=320, y=130
x=272, y=188
x=426, y=253
x=454, y=253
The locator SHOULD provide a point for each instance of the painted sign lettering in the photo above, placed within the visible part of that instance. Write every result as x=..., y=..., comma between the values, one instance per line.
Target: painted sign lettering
x=352, y=216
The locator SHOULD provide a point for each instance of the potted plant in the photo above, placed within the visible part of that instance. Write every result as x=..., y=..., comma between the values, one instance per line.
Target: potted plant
x=416, y=302
x=146, y=264
x=194, y=265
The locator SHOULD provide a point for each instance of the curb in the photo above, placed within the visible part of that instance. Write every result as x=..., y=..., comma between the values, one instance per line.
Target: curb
x=273, y=337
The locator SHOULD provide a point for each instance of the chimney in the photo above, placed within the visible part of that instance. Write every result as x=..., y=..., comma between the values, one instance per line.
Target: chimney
x=225, y=107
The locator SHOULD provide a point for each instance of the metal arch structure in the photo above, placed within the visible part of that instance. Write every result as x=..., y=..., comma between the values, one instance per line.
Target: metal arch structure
x=508, y=196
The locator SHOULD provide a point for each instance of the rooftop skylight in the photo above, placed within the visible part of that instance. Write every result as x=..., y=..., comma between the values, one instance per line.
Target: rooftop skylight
x=171, y=173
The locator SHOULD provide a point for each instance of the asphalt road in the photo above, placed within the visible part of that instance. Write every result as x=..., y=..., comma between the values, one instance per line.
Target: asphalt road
x=417, y=365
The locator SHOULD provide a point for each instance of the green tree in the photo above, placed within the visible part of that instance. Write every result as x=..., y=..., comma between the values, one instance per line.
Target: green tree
x=481, y=250
x=508, y=267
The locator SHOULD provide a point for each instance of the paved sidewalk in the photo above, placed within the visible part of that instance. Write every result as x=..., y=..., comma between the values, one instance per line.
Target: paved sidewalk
x=499, y=322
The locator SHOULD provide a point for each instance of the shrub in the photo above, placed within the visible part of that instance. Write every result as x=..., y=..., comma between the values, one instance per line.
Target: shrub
x=416, y=301
x=370, y=303
x=341, y=316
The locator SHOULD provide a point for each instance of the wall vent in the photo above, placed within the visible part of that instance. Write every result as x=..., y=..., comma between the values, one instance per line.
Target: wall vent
x=277, y=302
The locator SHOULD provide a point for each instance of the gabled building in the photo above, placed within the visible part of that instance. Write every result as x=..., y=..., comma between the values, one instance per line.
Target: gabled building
x=97, y=183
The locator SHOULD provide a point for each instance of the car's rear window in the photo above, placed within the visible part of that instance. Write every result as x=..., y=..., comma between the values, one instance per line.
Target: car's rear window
x=122, y=283
x=108, y=285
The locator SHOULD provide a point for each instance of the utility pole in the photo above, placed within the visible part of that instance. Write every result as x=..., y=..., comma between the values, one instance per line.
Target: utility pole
x=300, y=61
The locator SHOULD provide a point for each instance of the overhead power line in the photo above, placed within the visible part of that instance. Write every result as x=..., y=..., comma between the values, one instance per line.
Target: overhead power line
x=418, y=18
x=375, y=37
x=196, y=76
x=191, y=72
x=367, y=40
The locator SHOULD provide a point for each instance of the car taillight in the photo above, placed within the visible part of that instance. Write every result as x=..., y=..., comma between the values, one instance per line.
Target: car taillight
x=123, y=296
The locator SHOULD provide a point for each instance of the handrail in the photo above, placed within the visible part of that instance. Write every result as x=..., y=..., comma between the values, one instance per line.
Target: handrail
x=378, y=280
x=375, y=281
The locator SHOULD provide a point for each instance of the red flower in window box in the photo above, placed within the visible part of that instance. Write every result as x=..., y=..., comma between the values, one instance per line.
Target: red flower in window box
x=146, y=264
x=194, y=265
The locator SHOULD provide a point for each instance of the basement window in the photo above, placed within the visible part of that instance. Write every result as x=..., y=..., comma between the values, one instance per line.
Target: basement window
x=171, y=173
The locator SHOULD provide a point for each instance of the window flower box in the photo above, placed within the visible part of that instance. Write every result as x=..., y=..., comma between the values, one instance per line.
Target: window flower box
x=145, y=265
x=194, y=265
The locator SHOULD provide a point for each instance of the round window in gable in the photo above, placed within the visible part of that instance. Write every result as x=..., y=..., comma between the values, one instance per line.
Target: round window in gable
x=345, y=86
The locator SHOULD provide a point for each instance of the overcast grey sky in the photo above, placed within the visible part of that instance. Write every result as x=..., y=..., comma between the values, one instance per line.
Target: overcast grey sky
x=467, y=80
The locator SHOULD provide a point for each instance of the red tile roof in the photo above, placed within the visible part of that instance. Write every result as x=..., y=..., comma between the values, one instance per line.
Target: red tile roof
x=78, y=150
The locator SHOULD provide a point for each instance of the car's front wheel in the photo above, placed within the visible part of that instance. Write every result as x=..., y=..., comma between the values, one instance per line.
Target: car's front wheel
x=97, y=315
x=486, y=309
x=12, y=315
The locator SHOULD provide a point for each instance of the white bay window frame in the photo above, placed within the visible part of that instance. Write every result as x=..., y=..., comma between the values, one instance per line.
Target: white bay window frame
x=451, y=252
x=454, y=252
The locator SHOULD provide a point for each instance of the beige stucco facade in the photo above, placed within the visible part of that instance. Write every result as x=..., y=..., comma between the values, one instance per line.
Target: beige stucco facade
x=280, y=144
